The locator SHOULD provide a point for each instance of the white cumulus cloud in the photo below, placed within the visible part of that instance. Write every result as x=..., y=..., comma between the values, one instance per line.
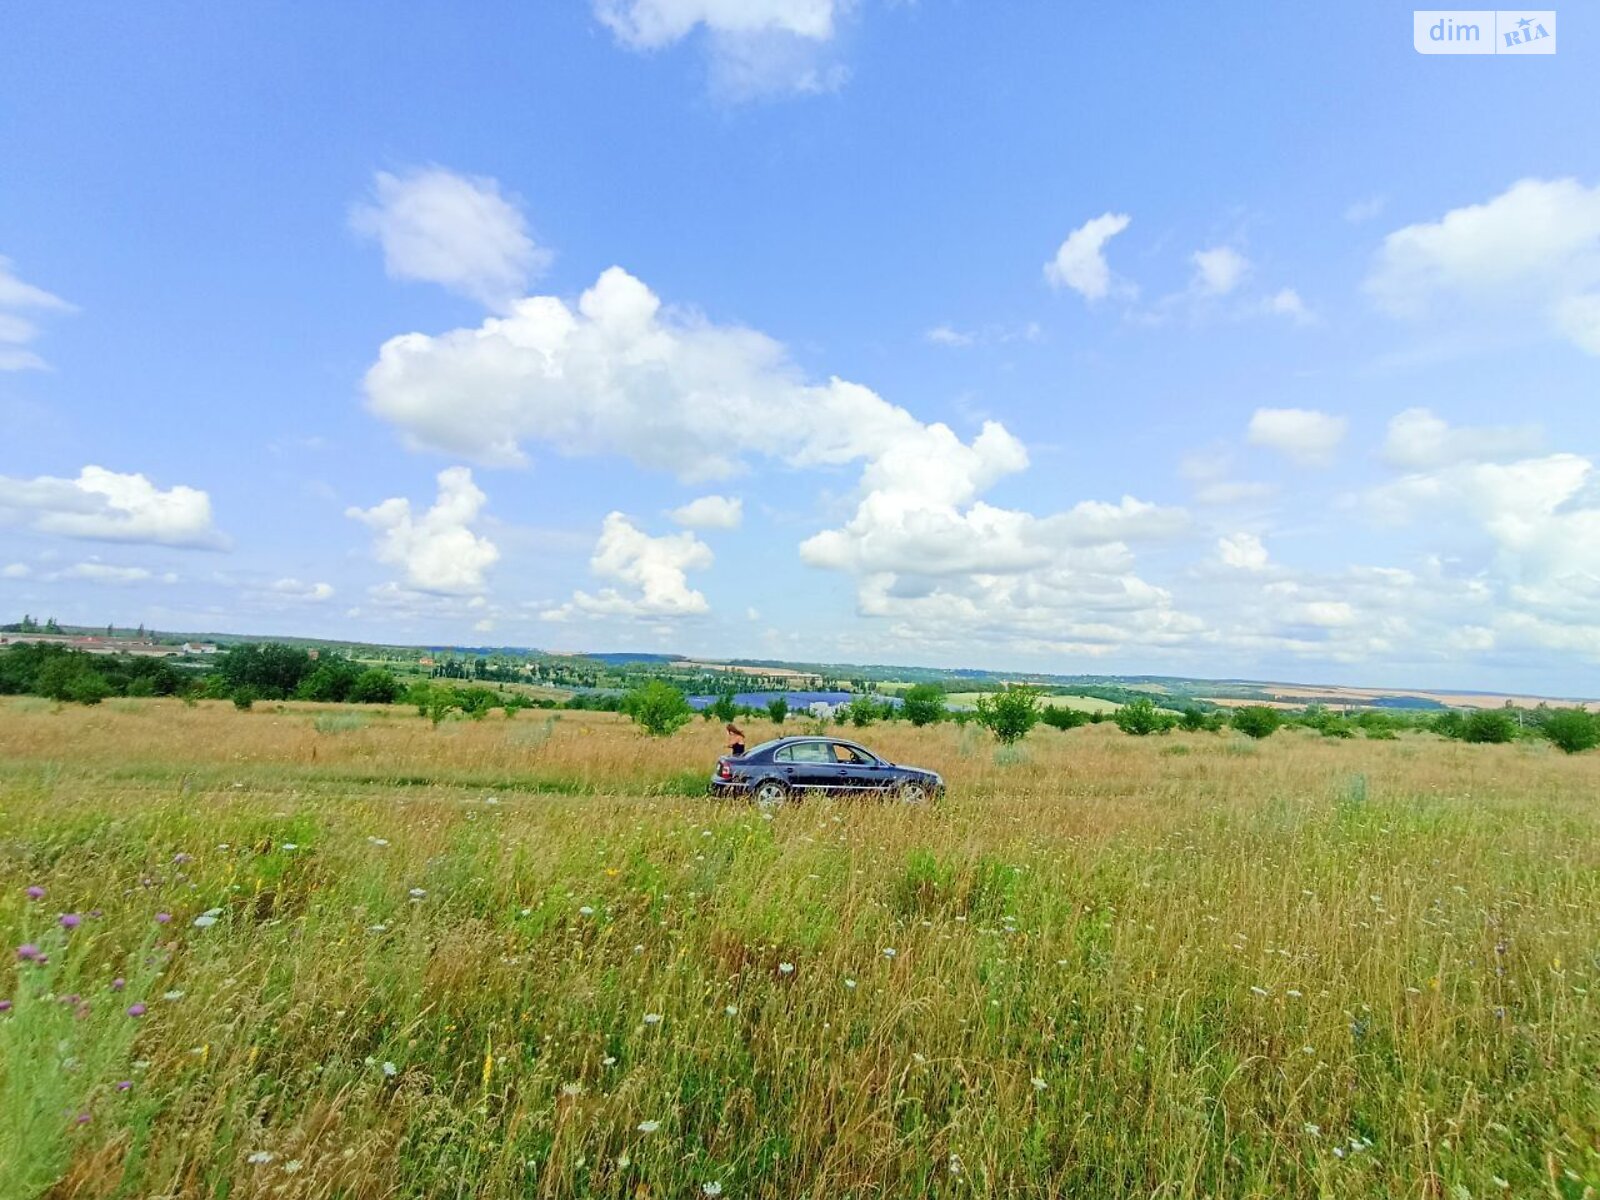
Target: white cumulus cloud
x=438, y=550
x=1243, y=551
x=710, y=512
x=440, y=227
x=1080, y=261
x=1219, y=270
x=1418, y=439
x=756, y=47
x=293, y=589
x=103, y=505
x=1532, y=250
x=653, y=572
x=1307, y=436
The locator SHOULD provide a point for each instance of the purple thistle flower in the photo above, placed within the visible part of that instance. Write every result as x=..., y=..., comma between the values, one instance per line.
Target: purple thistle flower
x=83, y=1118
x=118, y=984
x=181, y=858
x=163, y=917
x=124, y=1085
x=36, y=892
x=5, y=1006
x=71, y=999
x=70, y=920
x=136, y=1010
x=28, y=952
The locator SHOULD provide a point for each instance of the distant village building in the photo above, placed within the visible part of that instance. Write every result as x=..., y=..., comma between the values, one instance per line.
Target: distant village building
x=198, y=648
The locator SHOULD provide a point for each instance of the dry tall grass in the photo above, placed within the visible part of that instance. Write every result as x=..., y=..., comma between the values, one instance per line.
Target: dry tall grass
x=1107, y=966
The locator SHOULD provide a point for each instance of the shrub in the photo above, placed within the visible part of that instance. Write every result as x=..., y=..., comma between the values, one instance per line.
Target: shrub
x=1489, y=725
x=724, y=709
x=1192, y=719
x=1450, y=724
x=89, y=687
x=1059, y=716
x=1257, y=721
x=924, y=704
x=1139, y=717
x=864, y=711
x=244, y=698
x=778, y=709
x=1010, y=714
x=658, y=708
x=1573, y=729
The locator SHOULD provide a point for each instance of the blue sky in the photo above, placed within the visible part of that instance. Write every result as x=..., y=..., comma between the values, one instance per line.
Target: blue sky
x=1244, y=342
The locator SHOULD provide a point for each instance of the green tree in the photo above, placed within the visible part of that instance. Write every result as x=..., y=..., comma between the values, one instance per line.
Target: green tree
x=724, y=709
x=1257, y=720
x=1573, y=729
x=778, y=709
x=244, y=698
x=924, y=704
x=658, y=708
x=374, y=686
x=1489, y=725
x=88, y=687
x=1009, y=714
x=1192, y=719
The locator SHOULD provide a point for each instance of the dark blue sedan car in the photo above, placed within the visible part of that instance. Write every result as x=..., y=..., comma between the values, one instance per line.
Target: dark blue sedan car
x=773, y=772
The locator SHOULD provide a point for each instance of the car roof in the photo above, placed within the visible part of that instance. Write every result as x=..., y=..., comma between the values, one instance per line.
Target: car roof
x=779, y=743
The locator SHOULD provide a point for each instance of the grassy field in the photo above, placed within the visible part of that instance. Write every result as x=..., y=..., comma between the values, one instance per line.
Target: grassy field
x=365, y=958
x=1081, y=703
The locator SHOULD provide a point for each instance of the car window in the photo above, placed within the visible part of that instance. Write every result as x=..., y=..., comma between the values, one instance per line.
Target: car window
x=849, y=754
x=808, y=752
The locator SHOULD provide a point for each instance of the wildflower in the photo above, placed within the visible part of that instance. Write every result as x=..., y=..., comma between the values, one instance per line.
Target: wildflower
x=83, y=1118
x=378, y=841
x=205, y=921
x=259, y=1157
x=28, y=952
x=786, y=968
x=136, y=1010
x=1313, y=1130
x=36, y=892
x=70, y=920
x=623, y=1162
x=417, y=893
x=5, y=1006
x=572, y=1089
x=732, y=1010
x=1295, y=992
x=378, y=928
x=714, y=1188
x=173, y=995
x=125, y=1085
x=648, y=1126
x=1260, y=991
x=390, y=1070
x=1338, y=1151
x=118, y=984
x=163, y=917
x=609, y=1060
x=851, y=984
x=888, y=951
x=294, y=1164
x=181, y=858
x=291, y=846
x=586, y=911
x=955, y=1164
x=1039, y=1085
x=652, y=1018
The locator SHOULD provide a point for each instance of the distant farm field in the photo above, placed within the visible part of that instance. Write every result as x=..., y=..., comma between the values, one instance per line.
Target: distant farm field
x=363, y=957
x=1081, y=703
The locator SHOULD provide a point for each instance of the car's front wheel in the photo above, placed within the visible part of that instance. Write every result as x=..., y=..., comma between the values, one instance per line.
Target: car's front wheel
x=770, y=794
x=912, y=793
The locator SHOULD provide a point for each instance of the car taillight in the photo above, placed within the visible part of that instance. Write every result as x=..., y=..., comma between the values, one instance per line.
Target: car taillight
x=724, y=771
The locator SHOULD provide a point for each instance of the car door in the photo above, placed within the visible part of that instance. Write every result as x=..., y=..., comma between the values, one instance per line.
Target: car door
x=854, y=770
x=807, y=766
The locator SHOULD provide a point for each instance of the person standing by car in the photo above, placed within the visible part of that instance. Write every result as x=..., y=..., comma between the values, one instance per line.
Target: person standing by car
x=735, y=740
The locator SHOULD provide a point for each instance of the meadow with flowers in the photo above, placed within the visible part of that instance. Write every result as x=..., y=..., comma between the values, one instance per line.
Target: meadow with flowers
x=290, y=953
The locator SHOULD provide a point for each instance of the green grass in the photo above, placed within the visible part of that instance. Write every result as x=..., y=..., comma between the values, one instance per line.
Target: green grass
x=1099, y=969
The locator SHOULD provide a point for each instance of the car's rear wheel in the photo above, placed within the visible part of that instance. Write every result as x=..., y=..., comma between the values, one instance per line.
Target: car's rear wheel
x=769, y=794
x=912, y=793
